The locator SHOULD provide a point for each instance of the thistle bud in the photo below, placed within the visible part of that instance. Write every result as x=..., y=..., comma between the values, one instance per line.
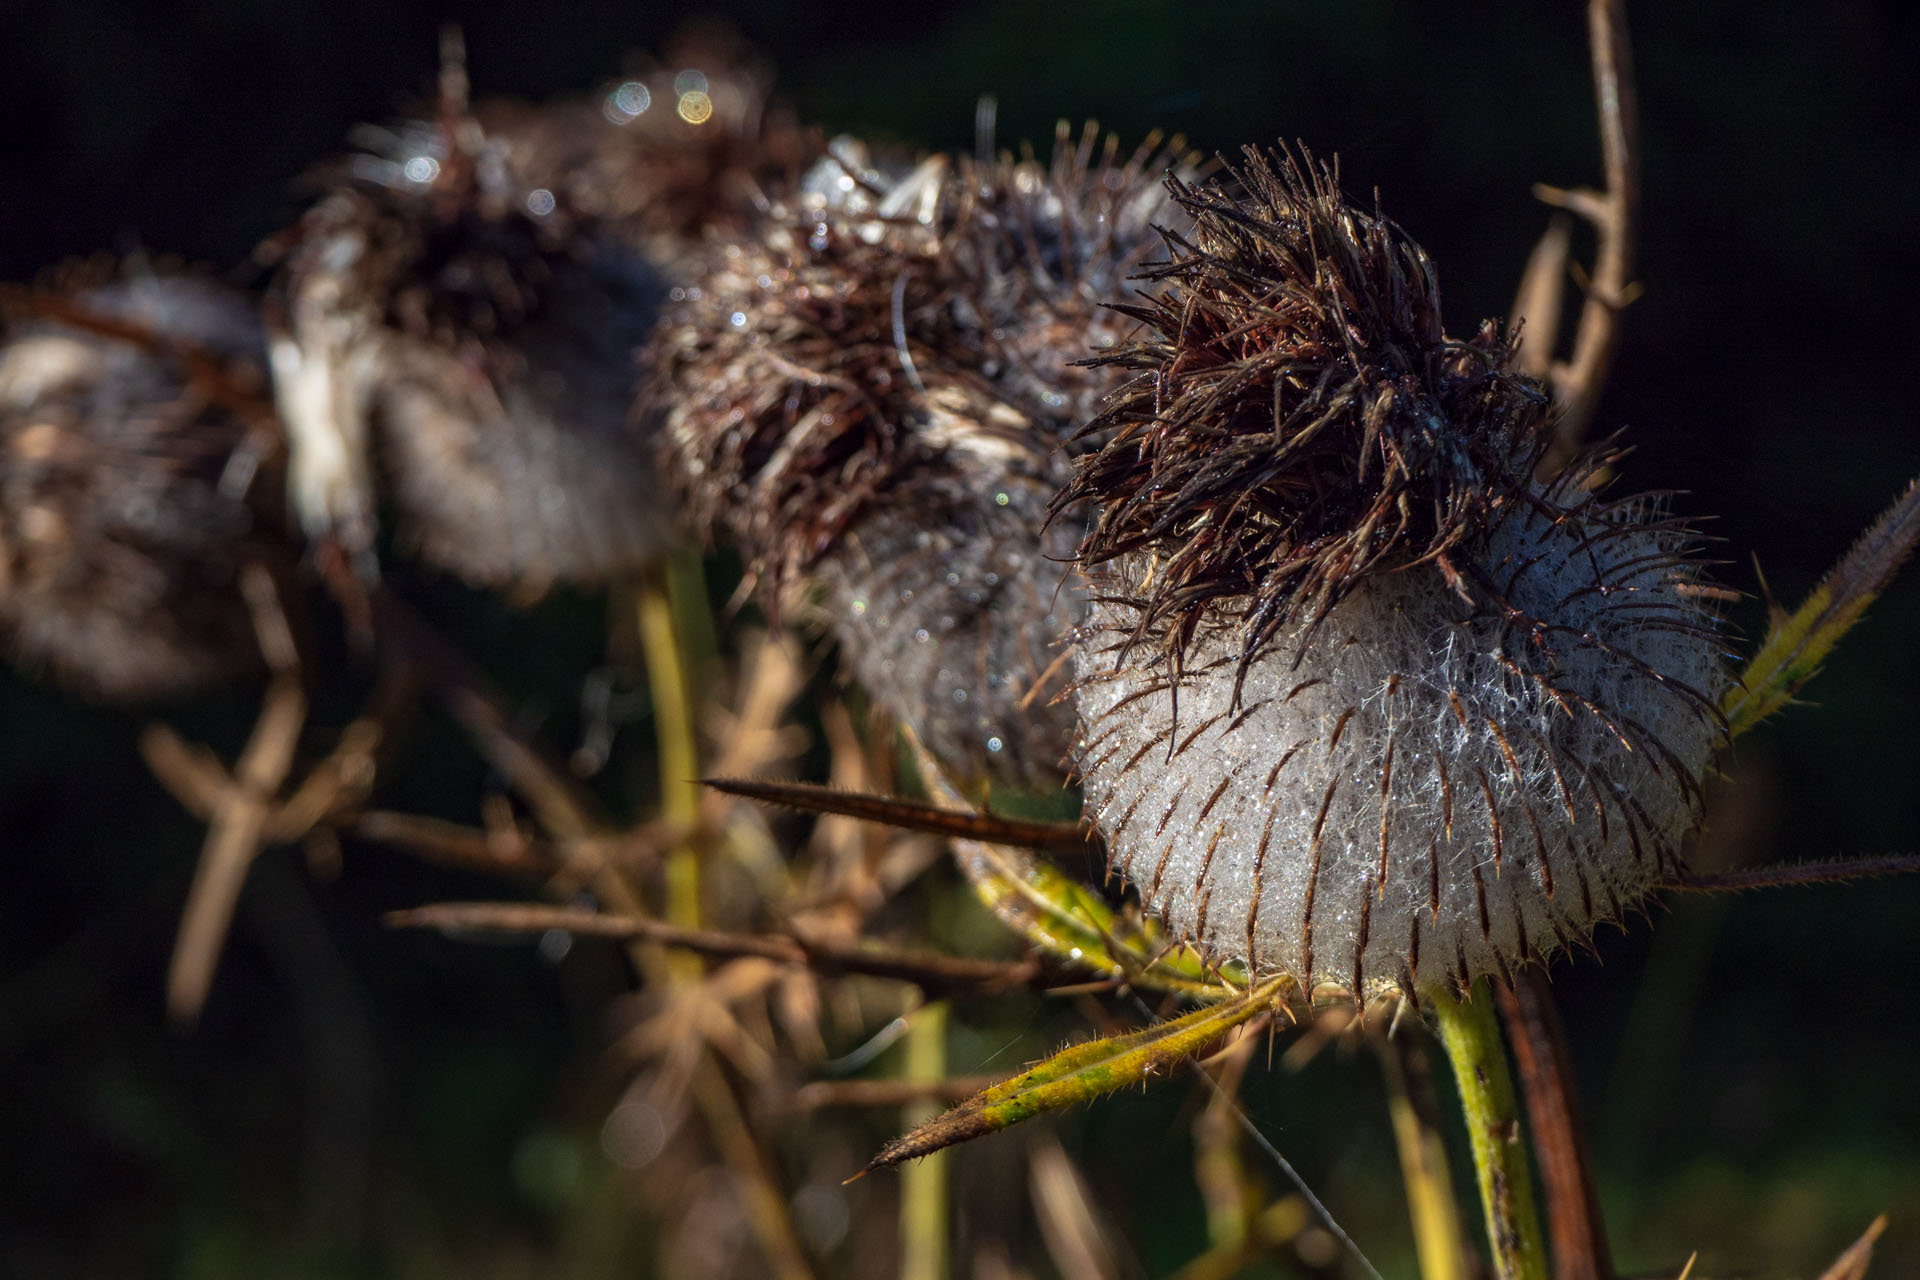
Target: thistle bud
x=471, y=340
x=131, y=432
x=1362, y=700
x=870, y=397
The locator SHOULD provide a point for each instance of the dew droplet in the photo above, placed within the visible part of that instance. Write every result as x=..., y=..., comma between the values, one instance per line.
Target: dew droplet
x=695, y=107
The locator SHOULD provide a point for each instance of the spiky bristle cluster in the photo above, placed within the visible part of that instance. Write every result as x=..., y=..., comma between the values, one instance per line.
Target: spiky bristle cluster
x=869, y=395
x=1298, y=419
x=479, y=338
x=128, y=458
x=1361, y=700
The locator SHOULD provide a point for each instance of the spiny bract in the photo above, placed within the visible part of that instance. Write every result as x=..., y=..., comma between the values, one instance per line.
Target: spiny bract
x=1361, y=699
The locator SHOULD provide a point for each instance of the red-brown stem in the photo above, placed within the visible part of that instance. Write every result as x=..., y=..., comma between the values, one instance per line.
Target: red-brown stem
x=1553, y=1113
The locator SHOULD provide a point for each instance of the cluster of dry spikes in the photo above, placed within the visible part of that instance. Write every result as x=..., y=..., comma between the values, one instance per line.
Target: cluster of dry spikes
x=1116, y=469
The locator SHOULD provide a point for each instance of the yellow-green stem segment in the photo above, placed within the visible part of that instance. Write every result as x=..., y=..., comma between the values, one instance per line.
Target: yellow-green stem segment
x=669, y=594
x=923, y=1183
x=674, y=733
x=1471, y=1036
x=1423, y=1167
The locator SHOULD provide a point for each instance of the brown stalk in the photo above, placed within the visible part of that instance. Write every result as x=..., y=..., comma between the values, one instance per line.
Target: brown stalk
x=766, y=1206
x=1853, y=1264
x=1045, y=837
x=570, y=818
x=1578, y=381
x=1077, y=1240
x=238, y=807
x=1537, y=303
x=934, y=973
x=1218, y=1169
x=1825, y=871
x=452, y=845
x=243, y=809
x=1572, y=1207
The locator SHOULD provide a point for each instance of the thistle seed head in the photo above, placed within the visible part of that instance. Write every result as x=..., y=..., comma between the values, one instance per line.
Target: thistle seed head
x=679, y=145
x=870, y=397
x=1297, y=420
x=471, y=341
x=129, y=462
x=1360, y=700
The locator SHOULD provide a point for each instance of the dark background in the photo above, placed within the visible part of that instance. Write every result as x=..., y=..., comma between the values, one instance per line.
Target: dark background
x=1748, y=1063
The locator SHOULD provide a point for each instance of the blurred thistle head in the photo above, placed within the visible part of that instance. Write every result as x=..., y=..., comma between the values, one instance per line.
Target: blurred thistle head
x=1361, y=699
x=678, y=145
x=870, y=395
x=478, y=336
x=133, y=433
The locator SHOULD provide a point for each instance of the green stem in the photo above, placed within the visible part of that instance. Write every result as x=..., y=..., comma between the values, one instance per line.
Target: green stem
x=667, y=678
x=1471, y=1036
x=923, y=1184
x=669, y=597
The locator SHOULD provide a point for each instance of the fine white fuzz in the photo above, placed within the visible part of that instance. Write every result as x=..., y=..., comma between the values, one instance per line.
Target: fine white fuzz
x=874, y=396
x=1414, y=788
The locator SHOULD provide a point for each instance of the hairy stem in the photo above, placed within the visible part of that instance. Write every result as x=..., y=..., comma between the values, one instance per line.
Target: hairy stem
x=1471, y=1036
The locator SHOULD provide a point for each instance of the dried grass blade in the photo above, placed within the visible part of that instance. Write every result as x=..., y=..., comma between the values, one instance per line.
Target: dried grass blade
x=1853, y=1264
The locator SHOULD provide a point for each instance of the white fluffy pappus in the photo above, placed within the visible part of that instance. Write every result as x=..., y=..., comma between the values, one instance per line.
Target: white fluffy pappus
x=1416, y=789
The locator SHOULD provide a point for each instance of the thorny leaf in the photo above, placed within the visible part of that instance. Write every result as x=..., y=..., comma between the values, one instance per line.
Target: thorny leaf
x=1051, y=909
x=1065, y=918
x=1082, y=1073
x=1796, y=646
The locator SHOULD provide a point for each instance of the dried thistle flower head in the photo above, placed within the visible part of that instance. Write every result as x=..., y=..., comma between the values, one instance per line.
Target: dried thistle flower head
x=679, y=145
x=869, y=396
x=127, y=456
x=1361, y=700
x=479, y=335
